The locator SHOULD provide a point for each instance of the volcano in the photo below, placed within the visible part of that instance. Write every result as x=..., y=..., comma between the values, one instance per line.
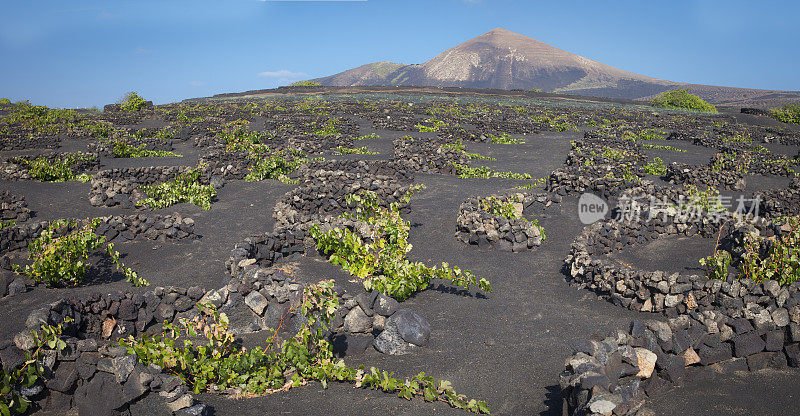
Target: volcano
x=501, y=59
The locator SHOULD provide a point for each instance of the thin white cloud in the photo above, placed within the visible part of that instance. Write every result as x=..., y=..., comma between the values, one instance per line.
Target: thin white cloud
x=283, y=73
x=306, y=1
x=142, y=51
x=196, y=83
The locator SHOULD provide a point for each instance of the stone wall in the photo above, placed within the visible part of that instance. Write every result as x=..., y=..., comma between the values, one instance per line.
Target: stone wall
x=114, y=229
x=18, y=168
x=476, y=226
x=713, y=325
x=13, y=207
x=113, y=187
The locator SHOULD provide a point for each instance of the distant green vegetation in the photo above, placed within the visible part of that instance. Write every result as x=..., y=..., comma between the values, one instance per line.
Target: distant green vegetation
x=305, y=84
x=370, y=136
x=504, y=138
x=132, y=102
x=341, y=150
x=5, y=101
x=663, y=147
x=646, y=134
x=39, y=119
x=466, y=172
x=681, y=99
x=789, y=113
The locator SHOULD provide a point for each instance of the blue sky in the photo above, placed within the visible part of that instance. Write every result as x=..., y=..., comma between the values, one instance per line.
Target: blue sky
x=89, y=53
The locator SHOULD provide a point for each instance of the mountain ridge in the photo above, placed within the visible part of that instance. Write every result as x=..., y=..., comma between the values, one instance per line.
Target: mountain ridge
x=501, y=59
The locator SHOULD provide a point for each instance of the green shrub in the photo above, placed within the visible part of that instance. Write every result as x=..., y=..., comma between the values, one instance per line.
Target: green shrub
x=132, y=102
x=383, y=262
x=122, y=149
x=656, y=167
x=435, y=125
x=59, y=261
x=305, y=84
x=780, y=261
x=505, y=209
x=274, y=166
x=8, y=223
x=40, y=119
x=185, y=188
x=504, y=138
x=367, y=137
x=681, y=99
x=220, y=364
x=341, y=150
x=58, y=170
x=789, y=113
x=5, y=101
x=328, y=128
x=238, y=137
x=466, y=172
x=12, y=380
x=663, y=147
x=646, y=134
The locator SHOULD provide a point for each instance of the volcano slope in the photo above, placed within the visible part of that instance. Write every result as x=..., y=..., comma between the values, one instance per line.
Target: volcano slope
x=280, y=164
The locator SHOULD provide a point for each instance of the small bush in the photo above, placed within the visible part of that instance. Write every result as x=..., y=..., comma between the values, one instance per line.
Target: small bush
x=132, y=102
x=504, y=138
x=681, y=99
x=62, y=260
x=58, y=170
x=341, y=150
x=789, y=113
x=122, y=149
x=26, y=375
x=382, y=259
x=656, y=167
x=219, y=363
x=275, y=166
x=466, y=172
x=185, y=188
x=5, y=101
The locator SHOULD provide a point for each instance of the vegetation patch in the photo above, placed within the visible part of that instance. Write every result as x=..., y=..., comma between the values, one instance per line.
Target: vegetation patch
x=789, y=113
x=656, y=167
x=435, y=125
x=682, y=99
x=370, y=136
x=504, y=138
x=762, y=258
x=275, y=166
x=381, y=258
x=305, y=84
x=341, y=150
x=185, y=188
x=505, y=208
x=122, y=149
x=663, y=147
x=466, y=172
x=460, y=147
x=132, y=102
x=62, y=261
x=13, y=380
x=61, y=169
x=39, y=119
x=646, y=134
x=220, y=364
